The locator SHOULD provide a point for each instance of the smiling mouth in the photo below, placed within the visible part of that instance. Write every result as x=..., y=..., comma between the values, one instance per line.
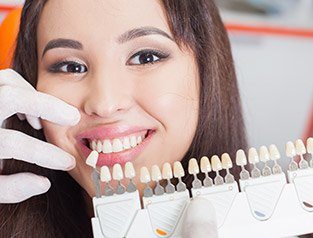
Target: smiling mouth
x=116, y=145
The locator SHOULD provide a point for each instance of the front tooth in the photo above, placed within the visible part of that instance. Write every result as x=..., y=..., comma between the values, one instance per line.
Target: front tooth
x=144, y=175
x=117, y=172
x=126, y=143
x=253, y=156
x=205, y=165
x=290, y=149
x=241, y=158
x=156, y=173
x=139, y=140
x=309, y=145
x=193, y=167
x=264, y=154
x=226, y=161
x=300, y=148
x=129, y=170
x=167, y=172
x=274, y=153
x=117, y=145
x=105, y=175
x=178, y=170
x=93, y=145
x=92, y=159
x=107, y=147
x=99, y=146
x=216, y=163
x=133, y=141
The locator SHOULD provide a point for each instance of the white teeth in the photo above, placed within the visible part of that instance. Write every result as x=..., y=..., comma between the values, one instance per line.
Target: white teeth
x=167, y=172
x=264, y=154
x=241, y=158
x=117, y=172
x=300, y=148
x=133, y=141
x=156, y=173
x=107, y=147
x=193, y=167
x=129, y=170
x=274, y=153
x=105, y=175
x=93, y=145
x=117, y=145
x=226, y=161
x=92, y=159
x=216, y=163
x=205, y=165
x=144, y=175
x=126, y=143
x=253, y=156
x=139, y=140
x=290, y=149
x=178, y=170
x=99, y=146
x=309, y=145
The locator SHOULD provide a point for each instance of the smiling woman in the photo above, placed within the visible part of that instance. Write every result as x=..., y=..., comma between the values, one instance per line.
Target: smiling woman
x=151, y=86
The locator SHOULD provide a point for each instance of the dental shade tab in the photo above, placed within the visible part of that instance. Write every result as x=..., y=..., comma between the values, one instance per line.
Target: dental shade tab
x=266, y=206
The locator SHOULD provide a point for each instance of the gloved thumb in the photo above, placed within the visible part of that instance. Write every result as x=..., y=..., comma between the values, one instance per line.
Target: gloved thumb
x=200, y=220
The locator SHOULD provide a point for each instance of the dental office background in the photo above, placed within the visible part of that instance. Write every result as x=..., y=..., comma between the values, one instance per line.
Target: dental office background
x=272, y=43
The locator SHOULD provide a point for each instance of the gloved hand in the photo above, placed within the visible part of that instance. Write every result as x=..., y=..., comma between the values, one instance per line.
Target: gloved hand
x=18, y=96
x=200, y=220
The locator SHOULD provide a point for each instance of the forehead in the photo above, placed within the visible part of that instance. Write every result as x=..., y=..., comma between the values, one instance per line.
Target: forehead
x=105, y=19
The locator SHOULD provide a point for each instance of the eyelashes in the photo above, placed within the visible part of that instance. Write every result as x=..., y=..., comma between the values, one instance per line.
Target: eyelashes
x=142, y=58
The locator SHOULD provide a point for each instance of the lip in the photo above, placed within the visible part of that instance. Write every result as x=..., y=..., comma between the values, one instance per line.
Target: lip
x=110, y=132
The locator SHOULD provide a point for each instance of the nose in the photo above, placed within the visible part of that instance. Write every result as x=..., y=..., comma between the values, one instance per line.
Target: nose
x=108, y=95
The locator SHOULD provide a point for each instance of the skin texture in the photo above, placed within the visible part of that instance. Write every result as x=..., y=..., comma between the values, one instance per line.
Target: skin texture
x=114, y=90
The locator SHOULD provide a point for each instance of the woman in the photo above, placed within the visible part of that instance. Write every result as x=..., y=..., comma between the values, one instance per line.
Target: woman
x=158, y=70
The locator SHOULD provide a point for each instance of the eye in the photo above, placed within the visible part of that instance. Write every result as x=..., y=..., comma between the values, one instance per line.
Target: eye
x=71, y=67
x=145, y=57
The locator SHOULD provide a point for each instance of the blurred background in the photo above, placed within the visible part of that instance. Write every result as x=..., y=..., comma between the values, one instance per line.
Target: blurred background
x=272, y=43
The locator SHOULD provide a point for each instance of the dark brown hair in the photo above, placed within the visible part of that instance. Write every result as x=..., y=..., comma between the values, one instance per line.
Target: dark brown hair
x=61, y=212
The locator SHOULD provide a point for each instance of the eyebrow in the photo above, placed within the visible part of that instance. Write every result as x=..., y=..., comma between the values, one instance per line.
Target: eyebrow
x=127, y=36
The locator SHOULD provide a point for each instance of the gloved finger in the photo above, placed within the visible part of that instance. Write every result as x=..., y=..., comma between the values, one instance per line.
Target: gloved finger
x=200, y=220
x=15, y=144
x=36, y=104
x=21, y=116
x=34, y=122
x=12, y=78
x=19, y=187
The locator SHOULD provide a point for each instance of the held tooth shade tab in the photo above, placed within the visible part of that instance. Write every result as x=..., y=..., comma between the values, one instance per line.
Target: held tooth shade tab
x=92, y=159
x=216, y=167
x=275, y=155
x=156, y=176
x=118, y=175
x=309, y=149
x=105, y=177
x=206, y=168
x=193, y=169
x=227, y=164
x=301, y=150
x=253, y=159
x=130, y=174
x=241, y=160
x=167, y=174
x=291, y=153
x=179, y=173
x=145, y=178
x=264, y=155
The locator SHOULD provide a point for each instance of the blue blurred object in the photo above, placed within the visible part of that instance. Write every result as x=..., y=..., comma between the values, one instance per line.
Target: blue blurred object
x=274, y=7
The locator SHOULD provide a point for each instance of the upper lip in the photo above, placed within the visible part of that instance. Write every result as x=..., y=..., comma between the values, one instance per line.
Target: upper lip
x=109, y=132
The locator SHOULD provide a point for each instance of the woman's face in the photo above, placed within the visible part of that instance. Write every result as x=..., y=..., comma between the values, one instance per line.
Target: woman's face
x=137, y=92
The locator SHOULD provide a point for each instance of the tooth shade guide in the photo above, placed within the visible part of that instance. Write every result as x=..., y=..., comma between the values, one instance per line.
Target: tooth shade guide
x=193, y=169
x=156, y=177
x=130, y=174
x=167, y=174
x=216, y=167
x=179, y=173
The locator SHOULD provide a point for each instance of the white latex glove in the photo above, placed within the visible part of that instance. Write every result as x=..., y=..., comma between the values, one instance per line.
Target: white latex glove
x=18, y=96
x=200, y=220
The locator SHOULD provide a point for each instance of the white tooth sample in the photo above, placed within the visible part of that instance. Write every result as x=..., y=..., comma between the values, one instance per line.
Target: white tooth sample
x=133, y=141
x=92, y=159
x=156, y=173
x=241, y=158
x=300, y=148
x=117, y=145
x=93, y=145
x=99, y=146
x=105, y=175
x=129, y=170
x=139, y=140
x=144, y=175
x=264, y=154
x=167, y=172
x=193, y=167
x=117, y=172
x=216, y=163
x=226, y=161
x=253, y=156
x=205, y=165
x=274, y=153
x=126, y=143
x=290, y=149
x=178, y=170
x=107, y=147
x=309, y=145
